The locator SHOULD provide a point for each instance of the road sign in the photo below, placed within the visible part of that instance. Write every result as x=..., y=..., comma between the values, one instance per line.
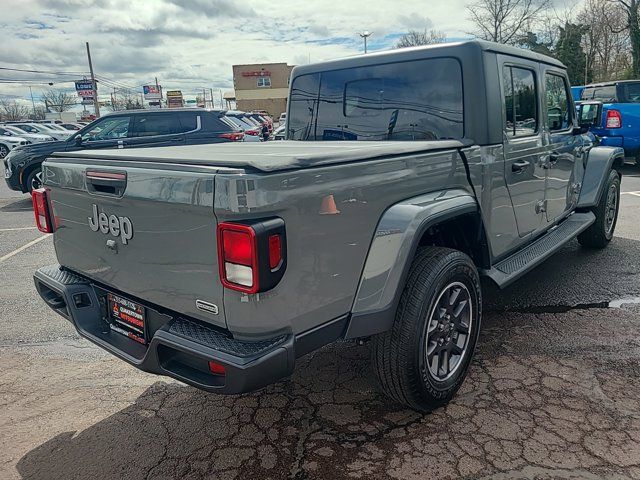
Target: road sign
x=152, y=92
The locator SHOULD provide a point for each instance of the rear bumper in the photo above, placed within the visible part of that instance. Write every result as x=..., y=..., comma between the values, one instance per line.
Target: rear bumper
x=180, y=348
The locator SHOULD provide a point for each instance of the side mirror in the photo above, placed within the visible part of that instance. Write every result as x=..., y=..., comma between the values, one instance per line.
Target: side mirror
x=77, y=140
x=580, y=130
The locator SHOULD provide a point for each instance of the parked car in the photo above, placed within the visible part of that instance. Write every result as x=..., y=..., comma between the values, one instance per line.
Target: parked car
x=613, y=109
x=44, y=129
x=280, y=132
x=283, y=118
x=128, y=129
x=10, y=141
x=71, y=126
x=252, y=132
x=380, y=236
x=31, y=137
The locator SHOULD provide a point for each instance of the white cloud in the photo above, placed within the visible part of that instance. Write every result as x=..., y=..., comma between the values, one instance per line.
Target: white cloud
x=189, y=44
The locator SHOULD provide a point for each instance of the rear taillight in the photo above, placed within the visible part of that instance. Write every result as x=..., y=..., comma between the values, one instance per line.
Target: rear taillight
x=251, y=256
x=41, y=210
x=233, y=136
x=614, y=119
x=253, y=133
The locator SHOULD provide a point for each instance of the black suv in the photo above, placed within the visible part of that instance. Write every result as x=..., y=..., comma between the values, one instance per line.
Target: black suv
x=128, y=129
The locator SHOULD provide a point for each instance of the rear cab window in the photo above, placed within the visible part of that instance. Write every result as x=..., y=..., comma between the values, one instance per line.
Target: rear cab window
x=630, y=92
x=412, y=100
x=604, y=93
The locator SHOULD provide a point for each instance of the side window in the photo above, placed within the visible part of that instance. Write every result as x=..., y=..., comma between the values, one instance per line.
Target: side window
x=151, y=125
x=559, y=115
x=108, y=129
x=188, y=122
x=520, y=100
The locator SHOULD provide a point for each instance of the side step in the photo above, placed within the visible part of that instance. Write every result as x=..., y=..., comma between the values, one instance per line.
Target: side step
x=513, y=267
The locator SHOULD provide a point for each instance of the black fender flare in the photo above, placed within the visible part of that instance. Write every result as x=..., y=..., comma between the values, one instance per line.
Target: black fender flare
x=600, y=161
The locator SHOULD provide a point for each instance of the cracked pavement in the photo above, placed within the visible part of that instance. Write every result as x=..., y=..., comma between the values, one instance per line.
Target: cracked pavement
x=553, y=391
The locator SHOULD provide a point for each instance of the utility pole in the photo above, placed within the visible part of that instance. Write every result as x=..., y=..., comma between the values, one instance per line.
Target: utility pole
x=213, y=105
x=221, y=100
x=365, y=35
x=114, y=100
x=158, y=88
x=32, y=103
x=96, y=105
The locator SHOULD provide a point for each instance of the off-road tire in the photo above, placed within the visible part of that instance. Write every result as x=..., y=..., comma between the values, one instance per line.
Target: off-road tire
x=600, y=233
x=31, y=179
x=399, y=355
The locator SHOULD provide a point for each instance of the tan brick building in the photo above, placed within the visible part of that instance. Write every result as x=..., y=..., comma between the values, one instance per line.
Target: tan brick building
x=262, y=86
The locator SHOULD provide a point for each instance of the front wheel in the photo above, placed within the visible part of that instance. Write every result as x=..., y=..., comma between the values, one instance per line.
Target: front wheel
x=600, y=233
x=422, y=361
x=34, y=179
x=4, y=150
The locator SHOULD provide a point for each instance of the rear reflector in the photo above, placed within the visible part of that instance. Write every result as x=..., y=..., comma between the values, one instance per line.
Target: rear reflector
x=614, y=119
x=217, y=368
x=41, y=210
x=275, y=251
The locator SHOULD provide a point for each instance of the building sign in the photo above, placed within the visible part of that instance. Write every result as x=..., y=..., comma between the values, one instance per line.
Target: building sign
x=152, y=92
x=84, y=88
x=260, y=73
x=175, y=99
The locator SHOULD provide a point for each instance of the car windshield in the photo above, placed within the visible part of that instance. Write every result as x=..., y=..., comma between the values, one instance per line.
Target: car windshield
x=29, y=128
x=16, y=130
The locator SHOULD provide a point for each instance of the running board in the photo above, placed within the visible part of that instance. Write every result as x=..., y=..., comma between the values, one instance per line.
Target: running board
x=516, y=265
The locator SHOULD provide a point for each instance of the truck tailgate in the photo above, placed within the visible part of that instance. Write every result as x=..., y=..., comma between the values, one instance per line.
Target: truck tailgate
x=151, y=236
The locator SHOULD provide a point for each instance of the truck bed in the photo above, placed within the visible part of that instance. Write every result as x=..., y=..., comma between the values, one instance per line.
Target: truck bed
x=268, y=156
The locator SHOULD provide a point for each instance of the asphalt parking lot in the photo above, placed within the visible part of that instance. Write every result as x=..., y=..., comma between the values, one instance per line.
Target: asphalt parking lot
x=553, y=392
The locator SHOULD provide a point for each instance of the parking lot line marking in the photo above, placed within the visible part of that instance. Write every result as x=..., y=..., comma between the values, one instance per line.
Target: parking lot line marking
x=24, y=247
x=637, y=194
x=16, y=229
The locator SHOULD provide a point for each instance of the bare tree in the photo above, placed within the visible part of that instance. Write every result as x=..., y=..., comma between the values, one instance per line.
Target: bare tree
x=632, y=10
x=125, y=101
x=606, y=40
x=58, y=100
x=415, y=38
x=505, y=21
x=38, y=113
x=12, y=110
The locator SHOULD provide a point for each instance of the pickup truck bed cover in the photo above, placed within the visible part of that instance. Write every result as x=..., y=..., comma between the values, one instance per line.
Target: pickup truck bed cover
x=269, y=156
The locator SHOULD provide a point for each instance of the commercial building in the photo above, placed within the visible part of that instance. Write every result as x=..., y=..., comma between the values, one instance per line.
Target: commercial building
x=262, y=86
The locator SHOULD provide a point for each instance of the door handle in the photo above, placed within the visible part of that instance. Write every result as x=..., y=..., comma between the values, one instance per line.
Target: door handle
x=518, y=167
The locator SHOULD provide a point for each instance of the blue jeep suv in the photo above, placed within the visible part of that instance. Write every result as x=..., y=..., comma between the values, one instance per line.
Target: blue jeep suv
x=128, y=129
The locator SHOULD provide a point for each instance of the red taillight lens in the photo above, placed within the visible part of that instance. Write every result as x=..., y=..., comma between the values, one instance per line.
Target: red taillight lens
x=238, y=257
x=233, y=136
x=275, y=251
x=41, y=210
x=614, y=119
x=251, y=132
x=237, y=246
x=217, y=368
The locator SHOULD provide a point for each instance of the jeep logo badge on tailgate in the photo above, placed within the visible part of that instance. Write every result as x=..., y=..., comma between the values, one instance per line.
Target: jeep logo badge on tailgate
x=116, y=226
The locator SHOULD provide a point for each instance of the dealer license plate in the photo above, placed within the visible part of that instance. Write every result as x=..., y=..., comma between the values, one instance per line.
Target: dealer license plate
x=126, y=317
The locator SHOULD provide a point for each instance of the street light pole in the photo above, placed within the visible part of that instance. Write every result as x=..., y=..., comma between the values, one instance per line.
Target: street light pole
x=365, y=35
x=32, y=103
x=96, y=106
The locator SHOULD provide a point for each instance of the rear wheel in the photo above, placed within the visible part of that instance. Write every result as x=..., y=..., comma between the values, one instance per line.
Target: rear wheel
x=600, y=233
x=422, y=361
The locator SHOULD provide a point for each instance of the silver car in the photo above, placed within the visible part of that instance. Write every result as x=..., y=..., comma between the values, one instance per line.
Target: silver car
x=32, y=137
x=43, y=128
x=8, y=142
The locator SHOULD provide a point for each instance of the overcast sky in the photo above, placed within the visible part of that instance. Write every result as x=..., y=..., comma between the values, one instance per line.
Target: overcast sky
x=190, y=44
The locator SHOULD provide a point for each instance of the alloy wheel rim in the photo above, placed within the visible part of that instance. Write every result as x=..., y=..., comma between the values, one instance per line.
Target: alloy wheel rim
x=448, y=331
x=611, y=209
x=4, y=151
x=36, y=181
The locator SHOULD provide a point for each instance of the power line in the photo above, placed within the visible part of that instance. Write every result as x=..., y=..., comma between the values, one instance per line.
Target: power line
x=42, y=71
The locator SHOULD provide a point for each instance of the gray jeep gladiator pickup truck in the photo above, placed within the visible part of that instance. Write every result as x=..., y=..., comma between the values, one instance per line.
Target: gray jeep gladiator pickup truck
x=219, y=265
